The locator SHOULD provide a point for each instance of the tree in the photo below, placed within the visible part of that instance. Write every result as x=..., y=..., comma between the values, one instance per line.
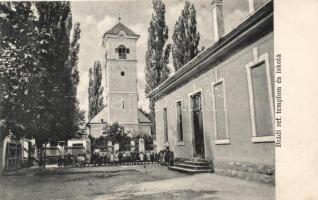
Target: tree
x=19, y=67
x=73, y=67
x=74, y=50
x=112, y=133
x=59, y=102
x=116, y=133
x=36, y=75
x=185, y=37
x=90, y=95
x=95, y=90
x=157, y=54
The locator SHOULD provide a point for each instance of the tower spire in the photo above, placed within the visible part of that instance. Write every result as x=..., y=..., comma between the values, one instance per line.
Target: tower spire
x=119, y=18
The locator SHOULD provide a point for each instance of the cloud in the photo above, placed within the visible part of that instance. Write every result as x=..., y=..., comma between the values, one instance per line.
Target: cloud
x=232, y=19
x=98, y=17
x=90, y=50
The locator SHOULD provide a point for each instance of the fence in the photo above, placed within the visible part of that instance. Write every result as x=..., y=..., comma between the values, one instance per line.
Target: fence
x=52, y=151
x=75, y=150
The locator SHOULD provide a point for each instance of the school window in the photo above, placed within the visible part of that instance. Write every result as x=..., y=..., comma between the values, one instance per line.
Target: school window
x=220, y=114
x=122, y=51
x=260, y=98
x=123, y=105
x=196, y=101
x=165, y=125
x=179, y=121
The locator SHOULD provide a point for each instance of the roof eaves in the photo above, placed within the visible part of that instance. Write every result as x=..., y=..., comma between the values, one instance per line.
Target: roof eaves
x=212, y=49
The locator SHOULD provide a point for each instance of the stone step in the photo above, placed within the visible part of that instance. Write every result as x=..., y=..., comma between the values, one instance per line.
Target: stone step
x=189, y=171
x=198, y=163
x=189, y=166
x=196, y=159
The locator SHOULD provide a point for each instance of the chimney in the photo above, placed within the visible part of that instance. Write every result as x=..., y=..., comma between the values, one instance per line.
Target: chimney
x=218, y=23
x=251, y=6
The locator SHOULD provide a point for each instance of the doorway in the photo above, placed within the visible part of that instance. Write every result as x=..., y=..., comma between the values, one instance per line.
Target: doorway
x=197, y=123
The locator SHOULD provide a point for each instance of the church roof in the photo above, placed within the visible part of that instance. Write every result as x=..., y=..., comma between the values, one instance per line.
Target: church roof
x=142, y=117
x=103, y=115
x=120, y=27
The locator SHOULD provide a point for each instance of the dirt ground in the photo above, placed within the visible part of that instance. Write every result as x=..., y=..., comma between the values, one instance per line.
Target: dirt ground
x=133, y=182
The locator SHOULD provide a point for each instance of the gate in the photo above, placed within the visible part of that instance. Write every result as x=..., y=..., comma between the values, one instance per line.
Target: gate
x=13, y=156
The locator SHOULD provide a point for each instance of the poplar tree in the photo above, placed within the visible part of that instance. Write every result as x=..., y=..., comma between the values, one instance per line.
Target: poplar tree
x=74, y=50
x=157, y=54
x=90, y=94
x=54, y=24
x=73, y=67
x=95, y=90
x=185, y=37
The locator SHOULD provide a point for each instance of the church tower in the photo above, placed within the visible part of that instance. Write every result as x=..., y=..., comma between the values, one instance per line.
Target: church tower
x=120, y=76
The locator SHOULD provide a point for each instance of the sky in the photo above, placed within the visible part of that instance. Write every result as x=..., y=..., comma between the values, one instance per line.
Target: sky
x=97, y=17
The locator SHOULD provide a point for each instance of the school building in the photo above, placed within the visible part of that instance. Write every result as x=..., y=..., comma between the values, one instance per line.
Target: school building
x=219, y=106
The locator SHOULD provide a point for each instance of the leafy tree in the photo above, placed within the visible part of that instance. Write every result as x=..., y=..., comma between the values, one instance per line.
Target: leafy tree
x=185, y=37
x=116, y=133
x=74, y=50
x=90, y=95
x=112, y=133
x=157, y=54
x=95, y=90
x=73, y=67
x=59, y=103
x=80, y=117
x=19, y=67
x=39, y=94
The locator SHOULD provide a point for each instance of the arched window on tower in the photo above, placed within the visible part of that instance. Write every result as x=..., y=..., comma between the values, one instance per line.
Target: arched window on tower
x=122, y=51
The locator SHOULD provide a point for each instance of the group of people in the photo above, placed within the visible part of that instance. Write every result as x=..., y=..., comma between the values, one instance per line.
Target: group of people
x=73, y=160
x=125, y=158
x=165, y=157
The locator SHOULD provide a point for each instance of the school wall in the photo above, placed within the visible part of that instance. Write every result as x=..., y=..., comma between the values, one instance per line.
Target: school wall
x=241, y=148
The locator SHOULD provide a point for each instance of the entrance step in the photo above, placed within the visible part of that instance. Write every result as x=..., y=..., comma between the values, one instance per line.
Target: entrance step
x=192, y=166
x=189, y=171
x=196, y=159
x=197, y=163
x=189, y=166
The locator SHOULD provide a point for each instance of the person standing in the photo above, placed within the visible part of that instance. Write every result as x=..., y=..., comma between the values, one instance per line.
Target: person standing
x=152, y=156
x=141, y=157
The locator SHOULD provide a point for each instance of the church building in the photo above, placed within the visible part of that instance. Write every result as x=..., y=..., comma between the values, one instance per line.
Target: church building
x=120, y=84
x=218, y=108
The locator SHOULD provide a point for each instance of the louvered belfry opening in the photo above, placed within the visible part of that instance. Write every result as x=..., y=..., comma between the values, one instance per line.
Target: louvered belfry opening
x=122, y=52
